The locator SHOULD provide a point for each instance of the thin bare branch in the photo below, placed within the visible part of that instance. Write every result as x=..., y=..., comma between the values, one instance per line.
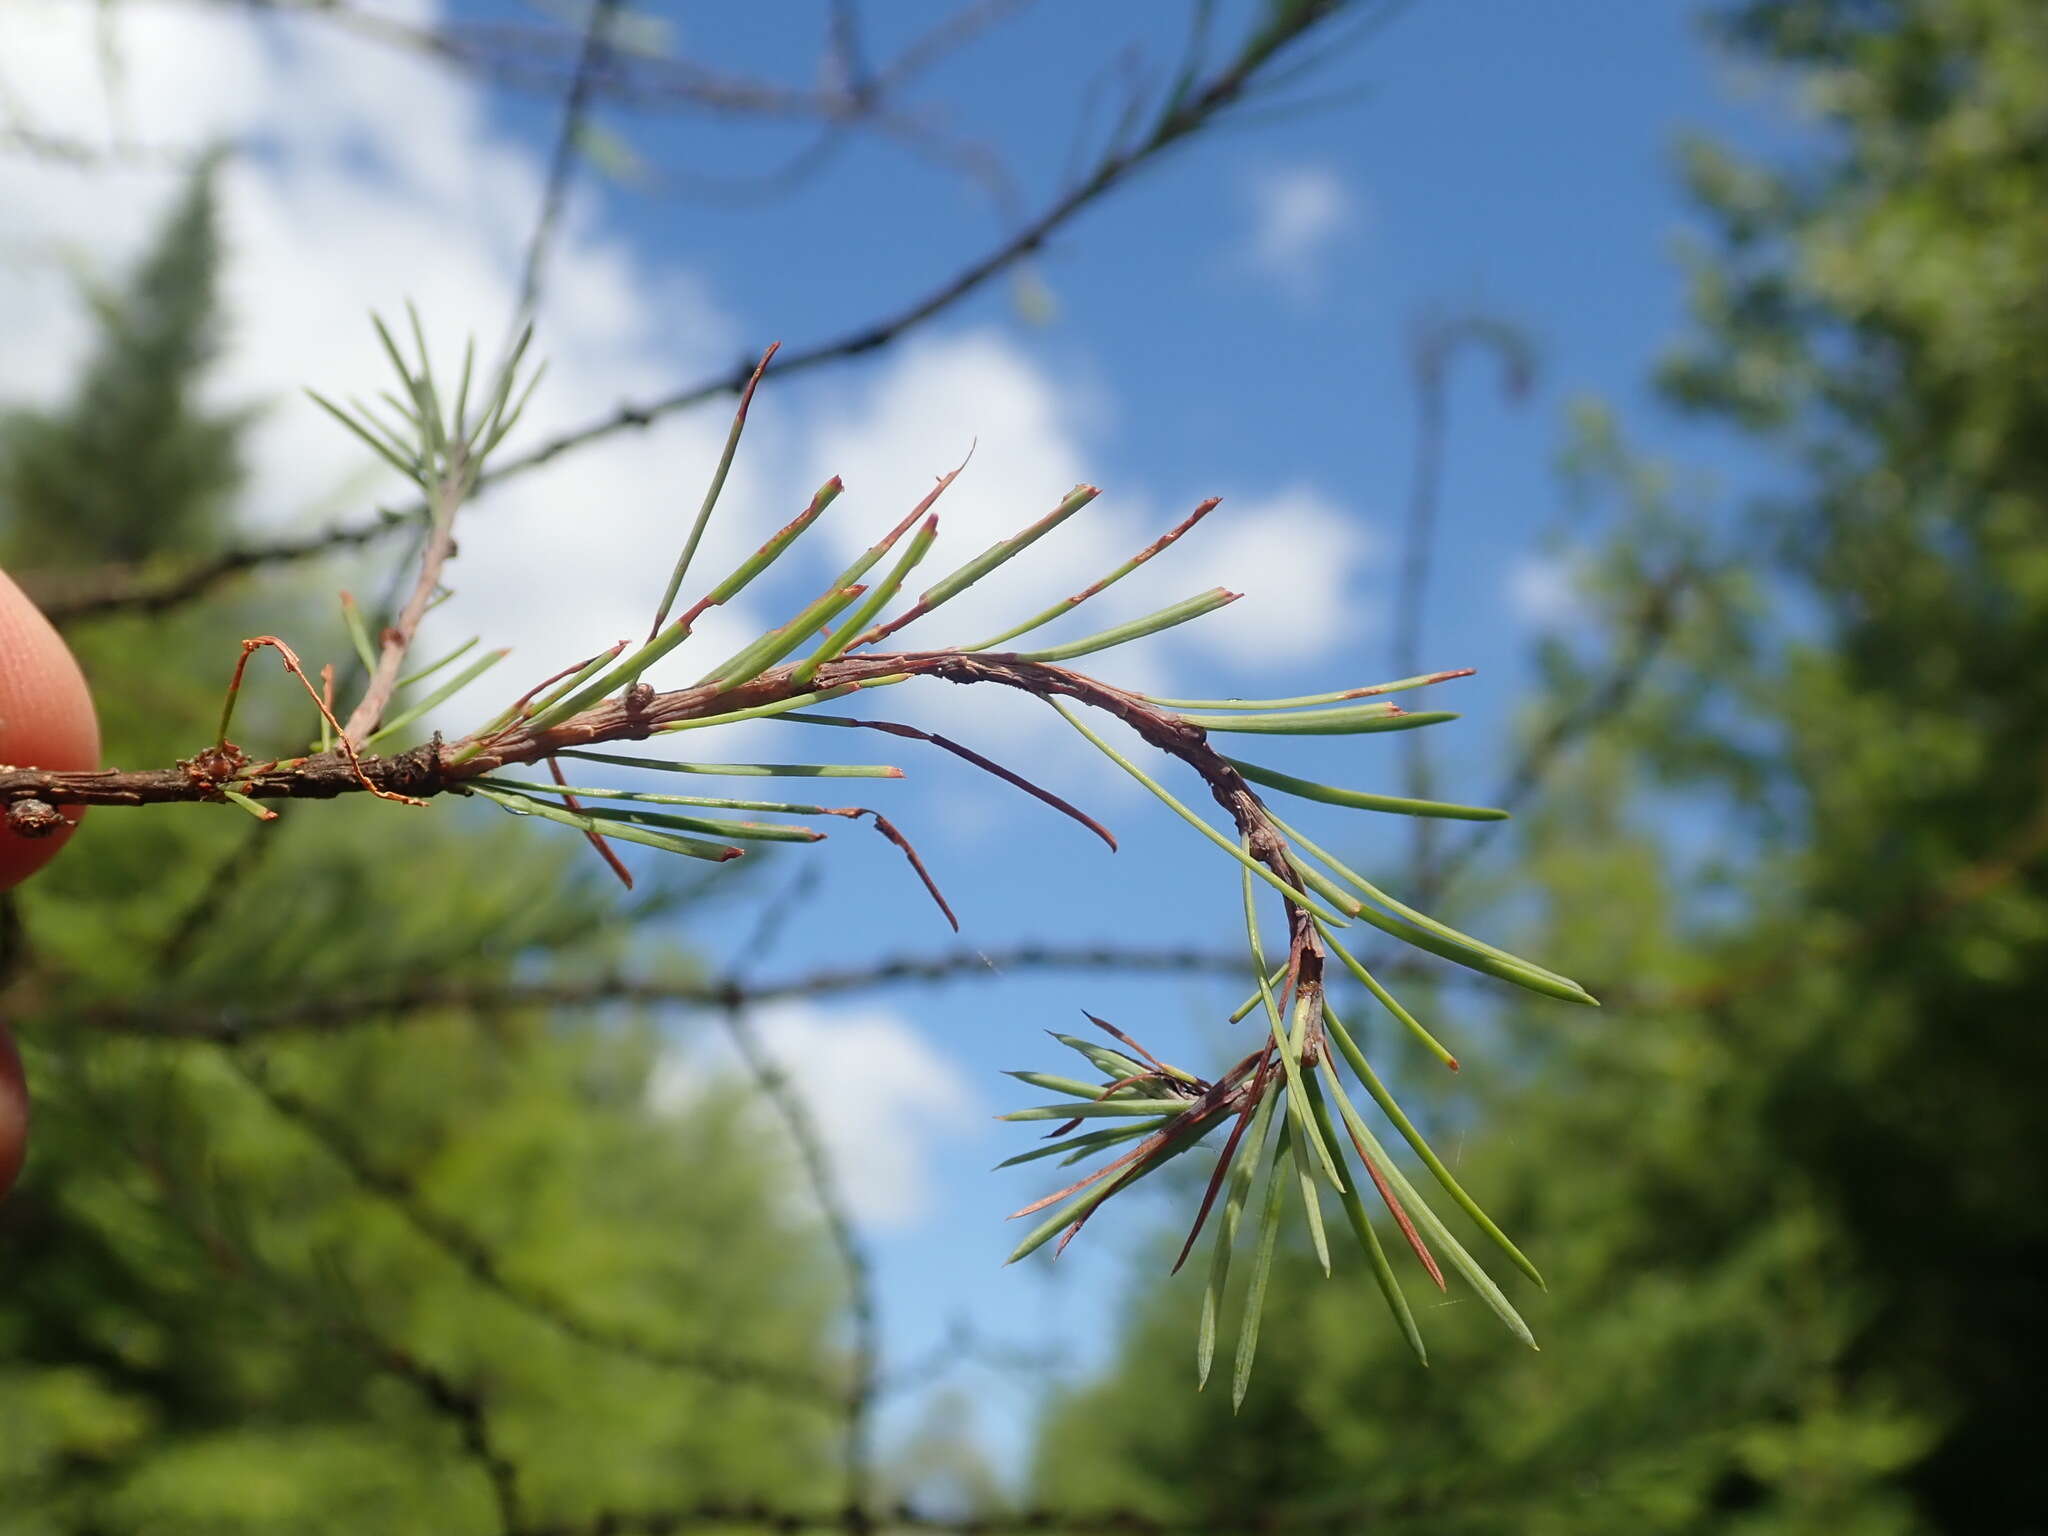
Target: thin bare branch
x=562, y=166
x=987, y=765
x=444, y=502
x=481, y=1263
x=1435, y=345
x=603, y=849
x=464, y=1409
x=1655, y=622
x=1205, y=101
x=342, y=1011
x=964, y=1346
x=859, y=1400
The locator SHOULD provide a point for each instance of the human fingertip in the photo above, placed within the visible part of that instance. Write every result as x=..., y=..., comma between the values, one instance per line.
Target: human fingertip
x=13, y=1113
x=46, y=720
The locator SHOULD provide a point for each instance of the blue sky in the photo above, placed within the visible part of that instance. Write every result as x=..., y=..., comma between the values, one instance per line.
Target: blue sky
x=1234, y=322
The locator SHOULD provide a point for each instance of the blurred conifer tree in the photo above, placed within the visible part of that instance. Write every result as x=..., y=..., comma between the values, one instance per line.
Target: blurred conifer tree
x=1788, y=1188
x=134, y=464
x=210, y=1321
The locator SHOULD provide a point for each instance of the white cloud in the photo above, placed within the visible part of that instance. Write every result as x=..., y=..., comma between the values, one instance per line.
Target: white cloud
x=1299, y=213
x=918, y=417
x=1295, y=554
x=1543, y=590
x=374, y=178
x=880, y=1096
x=1296, y=557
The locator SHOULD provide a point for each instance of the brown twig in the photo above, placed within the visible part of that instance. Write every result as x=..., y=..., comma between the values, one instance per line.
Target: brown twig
x=889, y=830
x=604, y=849
x=225, y=759
x=430, y=770
x=1264, y=1058
x=987, y=765
x=1396, y=1210
x=444, y=501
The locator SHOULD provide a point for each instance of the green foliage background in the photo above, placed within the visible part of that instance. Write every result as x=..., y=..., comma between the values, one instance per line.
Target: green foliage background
x=200, y=1303
x=1788, y=1189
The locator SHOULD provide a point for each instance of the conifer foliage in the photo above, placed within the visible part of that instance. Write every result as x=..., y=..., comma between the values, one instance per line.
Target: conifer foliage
x=135, y=464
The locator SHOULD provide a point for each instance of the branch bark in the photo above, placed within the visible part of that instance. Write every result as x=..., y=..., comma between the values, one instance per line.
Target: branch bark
x=397, y=640
x=436, y=769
